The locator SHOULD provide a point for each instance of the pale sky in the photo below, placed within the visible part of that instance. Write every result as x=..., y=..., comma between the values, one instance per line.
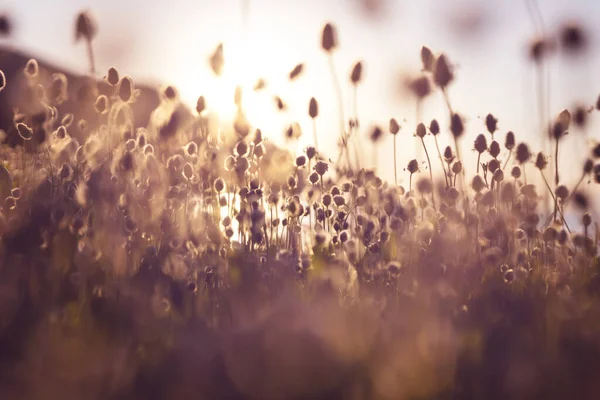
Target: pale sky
x=169, y=41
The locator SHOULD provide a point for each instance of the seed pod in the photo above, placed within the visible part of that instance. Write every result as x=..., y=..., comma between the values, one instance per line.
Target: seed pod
x=509, y=143
x=456, y=126
x=442, y=74
x=356, y=74
x=313, y=108
x=586, y=219
x=170, y=92
x=200, y=104
x=491, y=124
x=413, y=166
x=494, y=149
x=376, y=134
x=588, y=166
x=294, y=73
x=434, y=127
x=25, y=132
x=516, y=172
x=498, y=175
x=457, y=167
x=523, y=154
x=31, y=68
x=427, y=58
x=448, y=156
x=126, y=89
x=101, y=104
x=562, y=192
x=480, y=143
x=112, y=77
x=329, y=38
x=85, y=26
x=540, y=161
x=421, y=130
x=420, y=87
x=217, y=60
x=394, y=127
x=2, y=80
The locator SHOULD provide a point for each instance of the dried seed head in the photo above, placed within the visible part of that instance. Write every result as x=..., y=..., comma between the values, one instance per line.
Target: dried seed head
x=586, y=219
x=217, y=60
x=434, y=127
x=424, y=185
x=480, y=143
x=498, y=175
x=456, y=126
x=321, y=167
x=313, y=177
x=419, y=87
x=457, y=167
x=126, y=89
x=491, y=124
x=85, y=26
x=421, y=130
x=294, y=73
x=523, y=154
x=329, y=38
x=313, y=108
x=2, y=80
x=356, y=74
x=516, y=172
x=170, y=92
x=112, y=77
x=493, y=165
x=442, y=73
x=394, y=127
x=5, y=25
x=581, y=200
x=509, y=143
x=25, y=132
x=562, y=192
x=538, y=49
x=241, y=148
x=573, y=38
x=580, y=116
x=31, y=69
x=540, y=161
x=413, y=166
x=494, y=149
x=300, y=161
x=101, y=104
x=219, y=184
x=448, y=155
x=376, y=134
x=311, y=152
x=427, y=58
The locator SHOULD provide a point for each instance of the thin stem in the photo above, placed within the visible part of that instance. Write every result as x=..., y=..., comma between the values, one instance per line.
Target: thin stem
x=395, y=168
x=437, y=146
x=554, y=199
x=507, y=159
x=430, y=173
x=556, y=162
x=338, y=92
x=90, y=52
x=314, y=121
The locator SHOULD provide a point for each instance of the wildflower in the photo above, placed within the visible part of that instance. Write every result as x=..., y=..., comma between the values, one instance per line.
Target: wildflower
x=509, y=142
x=586, y=219
x=494, y=149
x=413, y=166
x=356, y=74
x=112, y=77
x=562, y=192
x=200, y=104
x=313, y=108
x=456, y=125
x=321, y=167
x=540, y=161
x=31, y=69
x=420, y=87
x=509, y=276
x=126, y=89
x=85, y=26
x=491, y=124
x=421, y=130
x=478, y=184
x=442, y=74
x=394, y=127
x=457, y=167
x=427, y=58
x=480, y=143
x=498, y=175
x=294, y=73
x=25, y=132
x=523, y=154
x=329, y=38
x=376, y=134
x=573, y=38
x=434, y=127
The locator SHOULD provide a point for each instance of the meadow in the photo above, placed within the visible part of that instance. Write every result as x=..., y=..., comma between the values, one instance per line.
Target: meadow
x=147, y=253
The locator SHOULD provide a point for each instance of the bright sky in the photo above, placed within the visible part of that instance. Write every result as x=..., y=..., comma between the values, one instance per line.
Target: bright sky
x=170, y=42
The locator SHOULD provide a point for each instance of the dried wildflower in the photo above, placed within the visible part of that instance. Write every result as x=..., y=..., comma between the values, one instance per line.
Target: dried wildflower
x=588, y=166
x=293, y=131
x=300, y=161
x=2, y=80
x=421, y=130
x=509, y=142
x=580, y=116
x=498, y=175
x=586, y=220
x=313, y=108
x=311, y=152
x=516, y=172
x=573, y=38
x=376, y=134
x=491, y=124
x=456, y=125
x=394, y=127
x=540, y=161
x=85, y=26
x=523, y=154
x=294, y=73
x=419, y=87
x=31, y=69
x=58, y=88
x=480, y=143
x=126, y=89
x=538, y=49
x=329, y=38
x=434, y=127
x=217, y=60
x=413, y=166
x=101, y=104
x=170, y=92
x=562, y=192
x=427, y=58
x=321, y=167
x=5, y=25
x=424, y=186
x=494, y=149
x=356, y=74
x=581, y=200
x=442, y=74
x=448, y=155
x=112, y=77
x=25, y=132
x=200, y=104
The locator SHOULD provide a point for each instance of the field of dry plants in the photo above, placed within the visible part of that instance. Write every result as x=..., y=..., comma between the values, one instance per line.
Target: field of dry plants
x=148, y=255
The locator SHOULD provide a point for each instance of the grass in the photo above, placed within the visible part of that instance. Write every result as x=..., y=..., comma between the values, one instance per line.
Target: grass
x=170, y=261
